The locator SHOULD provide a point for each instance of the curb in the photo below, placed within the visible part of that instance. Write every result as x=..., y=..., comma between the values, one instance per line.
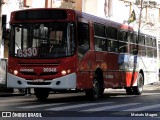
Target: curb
x=15, y=92
x=11, y=94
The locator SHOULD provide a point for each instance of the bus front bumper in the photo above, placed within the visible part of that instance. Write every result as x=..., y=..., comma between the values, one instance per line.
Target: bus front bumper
x=64, y=82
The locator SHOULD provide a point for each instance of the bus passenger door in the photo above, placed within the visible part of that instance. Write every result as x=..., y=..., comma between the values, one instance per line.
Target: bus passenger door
x=85, y=56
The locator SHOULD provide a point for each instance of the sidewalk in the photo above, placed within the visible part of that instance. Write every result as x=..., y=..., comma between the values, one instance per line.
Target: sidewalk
x=15, y=92
x=153, y=86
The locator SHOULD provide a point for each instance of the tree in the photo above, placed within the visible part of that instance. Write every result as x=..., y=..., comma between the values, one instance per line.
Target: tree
x=69, y=5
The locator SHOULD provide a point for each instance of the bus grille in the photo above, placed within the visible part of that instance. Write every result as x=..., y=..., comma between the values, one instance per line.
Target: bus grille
x=39, y=83
x=41, y=74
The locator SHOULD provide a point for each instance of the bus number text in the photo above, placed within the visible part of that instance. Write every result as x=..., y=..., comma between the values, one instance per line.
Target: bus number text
x=27, y=52
x=49, y=70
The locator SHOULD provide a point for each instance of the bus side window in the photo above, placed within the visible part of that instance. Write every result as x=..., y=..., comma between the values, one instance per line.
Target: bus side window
x=112, y=33
x=83, y=39
x=100, y=37
x=123, y=47
x=112, y=46
x=154, y=47
x=141, y=44
x=123, y=43
x=112, y=42
x=149, y=46
x=133, y=45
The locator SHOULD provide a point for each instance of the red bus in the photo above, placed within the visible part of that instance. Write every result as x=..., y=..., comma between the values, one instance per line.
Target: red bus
x=63, y=49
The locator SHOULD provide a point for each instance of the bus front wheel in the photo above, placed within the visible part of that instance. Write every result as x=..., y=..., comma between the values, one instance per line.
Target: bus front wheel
x=41, y=93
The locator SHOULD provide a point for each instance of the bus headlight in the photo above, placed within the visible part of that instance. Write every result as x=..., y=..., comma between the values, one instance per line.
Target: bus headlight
x=15, y=72
x=63, y=72
x=68, y=71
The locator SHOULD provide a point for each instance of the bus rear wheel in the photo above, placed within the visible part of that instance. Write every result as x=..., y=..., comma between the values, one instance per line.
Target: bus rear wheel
x=96, y=91
x=139, y=88
x=41, y=93
x=129, y=91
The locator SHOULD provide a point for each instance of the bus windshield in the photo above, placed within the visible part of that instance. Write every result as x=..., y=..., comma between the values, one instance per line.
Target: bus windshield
x=42, y=40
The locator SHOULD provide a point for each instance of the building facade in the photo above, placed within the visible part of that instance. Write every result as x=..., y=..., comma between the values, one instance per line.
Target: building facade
x=116, y=10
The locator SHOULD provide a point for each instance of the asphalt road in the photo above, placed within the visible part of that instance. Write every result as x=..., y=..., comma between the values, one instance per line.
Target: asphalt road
x=114, y=105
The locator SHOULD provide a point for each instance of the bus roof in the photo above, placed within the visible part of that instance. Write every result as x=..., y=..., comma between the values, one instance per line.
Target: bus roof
x=86, y=16
x=104, y=21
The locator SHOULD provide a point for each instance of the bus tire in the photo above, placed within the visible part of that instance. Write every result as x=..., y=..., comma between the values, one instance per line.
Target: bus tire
x=96, y=91
x=41, y=93
x=129, y=91
x=139, y=88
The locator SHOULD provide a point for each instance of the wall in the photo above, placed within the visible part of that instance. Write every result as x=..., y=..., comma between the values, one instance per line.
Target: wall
x=90, y=7
x=117, y=9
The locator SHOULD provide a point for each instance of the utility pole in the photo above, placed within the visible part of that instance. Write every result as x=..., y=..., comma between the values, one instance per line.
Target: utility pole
x=1, y=28
x=139, y=25
x=140, y=15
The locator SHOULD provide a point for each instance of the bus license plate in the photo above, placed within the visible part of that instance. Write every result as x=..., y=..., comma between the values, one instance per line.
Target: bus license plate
x=38, y=80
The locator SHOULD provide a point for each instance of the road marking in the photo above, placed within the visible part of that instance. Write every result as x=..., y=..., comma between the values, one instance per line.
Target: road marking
x=77, y=106
x=15, y=102
x=124, y=112
x=10, y=104
x=110, y=107
x=41, y=105
x=150, y=94
x=144, y=108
